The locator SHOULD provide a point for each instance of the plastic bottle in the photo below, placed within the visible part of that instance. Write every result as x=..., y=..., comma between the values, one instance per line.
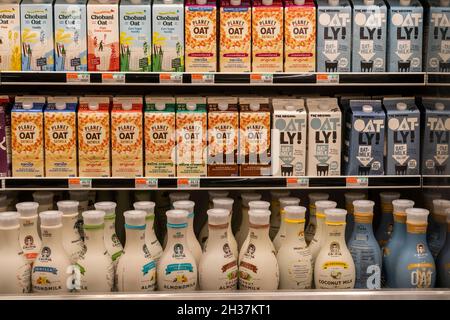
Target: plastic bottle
x=312, y=225
x=72, y=242
x=428, y=198
x=242, y=231
x=45, y=200
x=349, y=198
x=153, y=245
x=364, y=248
x=320, y=235
x=3, y=202
x=218, y=265
x=29, y=239
x=173, y=197
x=395, y=244
x=443, y=260
x=384, y=229
x=258, y=268
x=15, y=275
x=177, y=269
x=294, y=257
x=136, y=269
x=437, y=226
x=275, y=218
x=112, y=243
x=281, y=235
x=82, y=197
x=334, y=267
x=227, y=203
x=203, y=235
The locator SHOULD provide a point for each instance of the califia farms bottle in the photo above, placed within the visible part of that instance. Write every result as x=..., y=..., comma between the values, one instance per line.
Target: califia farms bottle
x=203, y=235
x=227, y=204
x=311, y=227
x=321, y=231
x=29, y=239
x=349, y=198
x=275, y=218
x=72, y=242
x=112, y=242
x=384, y=229
x=242, y=231
x=281, y=235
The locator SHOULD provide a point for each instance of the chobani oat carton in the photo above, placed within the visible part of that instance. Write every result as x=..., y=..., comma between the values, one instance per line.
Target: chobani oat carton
x=267, y=33
x=223, y=129
x=93, y=137
x=191, y=136
x=27, y=137
x=235, y=36
x=60, y=137
x=10, y=35
x=5, y=136
x=299, y=36
x=126, y=137
x=159, y=134
x=254, y=136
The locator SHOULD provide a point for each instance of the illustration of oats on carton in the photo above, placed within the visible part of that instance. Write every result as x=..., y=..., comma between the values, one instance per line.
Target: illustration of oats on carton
x=10, y=58
x=60, y=137
x=94, y=137
x=126, y=137
x=159, y=134
x=27, y=137
x=191, y=136
x=5, y=136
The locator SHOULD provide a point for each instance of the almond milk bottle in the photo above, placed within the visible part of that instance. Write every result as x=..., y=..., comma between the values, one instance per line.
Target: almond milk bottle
x=153, y=245
x=193, y=244
x=281, y=235
x=252, y=205
x=320, y=235
x=29, y=239
x=242, y=231
x=275, y=217
x=227, y=204
x=112, y=243
x=349, y=198
x=312, y=225
x=203, y=235
x=174, y=196
x=72, y=242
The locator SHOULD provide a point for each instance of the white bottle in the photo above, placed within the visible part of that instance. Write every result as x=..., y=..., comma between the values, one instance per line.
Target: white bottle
x=52, y=270
x=29, y=239
x=136, y=270
x=321, y=233
x=227, y=203
x=193, y=244
x=153, y=245
x=242, y=231
x=112, y=242
x=349, y=198
x=258, y=268
x=312, y=224
x=281, y=235
x=334, y=267
x=72, y=242
x=203, y=235
x=45, y=200
x=3, y=202
x=173, y=197
x=82, y=196
x=15, y=275
x=294, y=258
x=177, y=269
x=96, y=265
x=218, y=266
x=275, y=218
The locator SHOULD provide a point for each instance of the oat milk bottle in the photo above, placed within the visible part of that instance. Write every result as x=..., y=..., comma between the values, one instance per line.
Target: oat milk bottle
x=203, y=235
x=96, y=265
x=242, y=231
x=29, y=239
x=218, y=265
x=281, y=235
x=349, y=198
x=320, y=235
x=112, y=243
x=177, y=269
x=15, y=275
x=443, y=260
x=312, y=225
x=153, y=245
x=385, y=227
x=258, y=268
x=136, y=269
x=437, y=227
x=227, y=204
x=193, y=244
x=72, y=242
x=294, y=257
x=52, y=269
x=334, y=267
x=275, y=217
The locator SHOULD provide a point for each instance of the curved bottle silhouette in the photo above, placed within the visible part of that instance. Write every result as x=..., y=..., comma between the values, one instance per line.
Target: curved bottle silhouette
x=29, y=239
x=383, y=232
x=312, y=225
x=281, y=235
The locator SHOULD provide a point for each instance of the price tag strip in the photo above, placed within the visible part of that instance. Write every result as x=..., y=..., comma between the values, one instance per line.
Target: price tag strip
x=174, y=78
x=297, y=182
x=113, y=77
x=202, y=78
x=80, y=183
x=188, y=183
x=146, y=183
x=264, y=78
x=78, y=77
x=357, y=182
x=329, y=78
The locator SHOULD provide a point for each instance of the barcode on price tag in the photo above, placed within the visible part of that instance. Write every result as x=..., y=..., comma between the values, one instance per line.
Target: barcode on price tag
x=78, y=78
x=146, y=183
x=261, y=78
x=297, y=182
x=113, y=78
x=170, y=77
x=357, y=182
x=80, y=183
x=202, y=78
x=327, y=78
x=188, y=183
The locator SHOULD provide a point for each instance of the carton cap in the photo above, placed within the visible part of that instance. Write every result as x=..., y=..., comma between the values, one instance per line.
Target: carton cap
x=59, y=105
x=223, y=203
x=405, y=2
x=127, y=105
x=93, y=105
x=254, y=106
x=177, y=216
x=315, y=196
x=258, y=204
x=9, y=219
x=43, y=196
x=250, y=196
x=417, y=215
x=176, y=196
x=108, y=207
x=168, y=1
x=400, y=205
x=335, y=215
x=217, y=216
x=369, y=2
x=277, y=194
x=93, y=217
x=68, y=206
x=387, y=197
x=201, y=2
x=235, y=2
x=299, y=2
x=259, y=217
x=218, y=194
x=289, y=107
x=147, y=206
x=294, y=212
x=27, y=209
x=352, y=196
x=440, y=206
x=51, y=218
x=135, y=217
x=367, y=108
x=191, y=106
x=186, y=205
x=267, y=2
x=323, y=205
x=333, y=2
x=401, y=106
x=160, y=106
x=27, y=105
x=439, y=106
x=445, y=3
x=222, y=106
x=363, y=206
x=289, y=201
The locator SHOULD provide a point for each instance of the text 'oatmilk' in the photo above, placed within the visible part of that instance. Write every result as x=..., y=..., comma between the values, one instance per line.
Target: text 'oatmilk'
x=438, y=36
x=10, y=35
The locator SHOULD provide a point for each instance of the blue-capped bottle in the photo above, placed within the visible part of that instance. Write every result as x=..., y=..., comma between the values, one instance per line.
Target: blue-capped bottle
x=443, y=260
x=437, y=226
x=415, y=264
x=384, y=229
x=394, y=246
x=349, y=198
x=364, y=248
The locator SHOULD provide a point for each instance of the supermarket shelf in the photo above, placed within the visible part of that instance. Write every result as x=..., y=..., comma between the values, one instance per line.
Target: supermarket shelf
x=441, y=181
x=438, y=79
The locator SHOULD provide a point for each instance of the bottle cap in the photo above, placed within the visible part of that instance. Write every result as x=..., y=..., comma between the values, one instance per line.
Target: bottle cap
x=93, y=217
x=51, y=218
x=369, y=2
x=184, y=205
x=177, y=196
x=428, y=198
x=223, y=203
x=294, y=212
x=68, y=206
x=289, y=201
x=401, y=106
x=254, y=106
x=367, y=108
x=267, y=2
x=363, y=206
x=352, y=196
x=160, y=106
x=9, y=220
x=235, y=2
x=135, y=217
x=316, y=196
x=191, y=106
x=400, y=205
x=277, y=194
x=335, y=215
x=388, y=197
x=259, y=216
x=147, y=206
x=60, y=105
x=440, y=206
x=247, y=197
x=417, y=215
x=405, y=2
x=27, y=209
x=217, y=194
x=43, y=196
x=177, y=217
x=93, y=106
x=217, y=216
x=223, y=106
x=323, y=205
x=258, y=204
x=79, y=195
x=299, y=2
x=108, y=207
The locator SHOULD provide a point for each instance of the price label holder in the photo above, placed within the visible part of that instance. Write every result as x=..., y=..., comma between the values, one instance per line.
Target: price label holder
x=357, y=182
x=3, y=183
x=78, y=77
x=188, y=183
x=146, y=183
x=327, y=78
x=297, y=182
x=113, y=77
x=80, y=183
x=173, y=78
x=261, y=78
x=202, y=78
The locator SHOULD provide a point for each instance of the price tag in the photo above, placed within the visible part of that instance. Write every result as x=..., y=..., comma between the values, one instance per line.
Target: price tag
x=113, y=78
x=261, y=78
x=327, y=78
x=202, y=78
x=3, y=183
x=80, y=183
x=78, y=78
x=146, y=183
x=188, y=183
x=297, y=182
x=357, y=182
x=171, y=77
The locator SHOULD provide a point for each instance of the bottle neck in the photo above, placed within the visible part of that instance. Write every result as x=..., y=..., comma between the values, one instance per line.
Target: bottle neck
x=259, y=234
x=9, y=240
x=217, y=234
x=386, y=208
x=52, y=236
x=69, y=223
x=363, y=223
x=190, y=227
x=28, y=225
x=295, y=232
x=416, y=232
x=135, y=237
x=335, y=231
x=110, y=222
x=176, y=233
x=439, y=219
x=399, y=229
x=150, y=228
x=94, y=236
x=320, y=223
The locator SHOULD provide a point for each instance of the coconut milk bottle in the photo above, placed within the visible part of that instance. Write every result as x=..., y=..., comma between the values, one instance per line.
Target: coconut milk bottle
x=152, y=243
x=350, y=219
x=320, y=236
x=443, y=260
x=384, y=230
x=437, y=23
x=72, y=242
x=437, y=226
x=275, y=216
x=10, y=36
x=29, y=239
x=112, y=243
x=281, y=234
x=312, y=224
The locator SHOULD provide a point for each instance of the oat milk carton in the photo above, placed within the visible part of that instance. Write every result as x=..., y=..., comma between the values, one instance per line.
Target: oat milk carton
x=436, y=136
x=223, y=136
x=405, y=30
x=70, y=35
x=299, y=36
x=403, y=136
x=27, y=136
x=289, y=137
x=5, y=136
x=201, y=35
x=60, y=118
x=369, y=36
x=36, y=25
x=364, y=138
x=94, y=137
x=191, y=136
x=324, y=137
x=168, y=36
x=135, y=35
x=159, y=135
x=254, y=136
x=334, y=34
x=267, y=36
x=103, y=35
x=10, y=35
x=437, y=31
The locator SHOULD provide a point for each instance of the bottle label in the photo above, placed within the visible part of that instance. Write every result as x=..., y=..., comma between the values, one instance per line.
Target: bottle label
x=335, y=274
x=363, y=218
x=180, y=276
x=47, y=278
x=23, y=278
x=400, y=217
x=109, y=273
x=300, y=270
x=421, y=274
x=386, y=207
x=416, y=228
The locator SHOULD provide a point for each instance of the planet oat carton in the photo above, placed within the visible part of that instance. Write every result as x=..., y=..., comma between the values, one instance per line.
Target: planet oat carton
x=10, y=58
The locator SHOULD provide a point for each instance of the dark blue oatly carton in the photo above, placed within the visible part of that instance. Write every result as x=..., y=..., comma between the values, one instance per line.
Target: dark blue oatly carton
x=364, y=138
x=437, y=32
x=369, y=36
x=334, y=36
x=405, y=36
x=436, y=136
x=403, y=136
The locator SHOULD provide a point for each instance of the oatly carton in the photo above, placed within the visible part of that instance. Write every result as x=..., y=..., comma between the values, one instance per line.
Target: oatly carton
x=126, y=137
x=436, y=136
x=289, y=137
x=10, y=35
x=324, y=137
x=5, y=136
x=403, y=136
x=159, y=136
x=405, y=34
x=27, y=136
x=364, y=138
x=334, y=34
x=223, y=134
x=369, y=36
x=60, y=118
x=437, y=35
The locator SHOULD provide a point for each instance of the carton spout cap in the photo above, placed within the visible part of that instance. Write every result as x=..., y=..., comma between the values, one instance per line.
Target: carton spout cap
x=267, y=2
x=299, y=2
x=445, y=3
x=323, y=106
x=201, y=2
x=235, y=2
x=136, y=1
x=369, y=2
x=168, y=1
x=222, y=106
x=405, y=2
x=254, y=106
x=160, y=106
x=401, y=106
x=71, y=1
x=333, y=2
x=289, y=107
x=27, y=105
x=127, y=106
x=367, y=108
x=60, y=105
x=93, y=106
x=439, y=106
x=103, y=1
x=191, y=107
